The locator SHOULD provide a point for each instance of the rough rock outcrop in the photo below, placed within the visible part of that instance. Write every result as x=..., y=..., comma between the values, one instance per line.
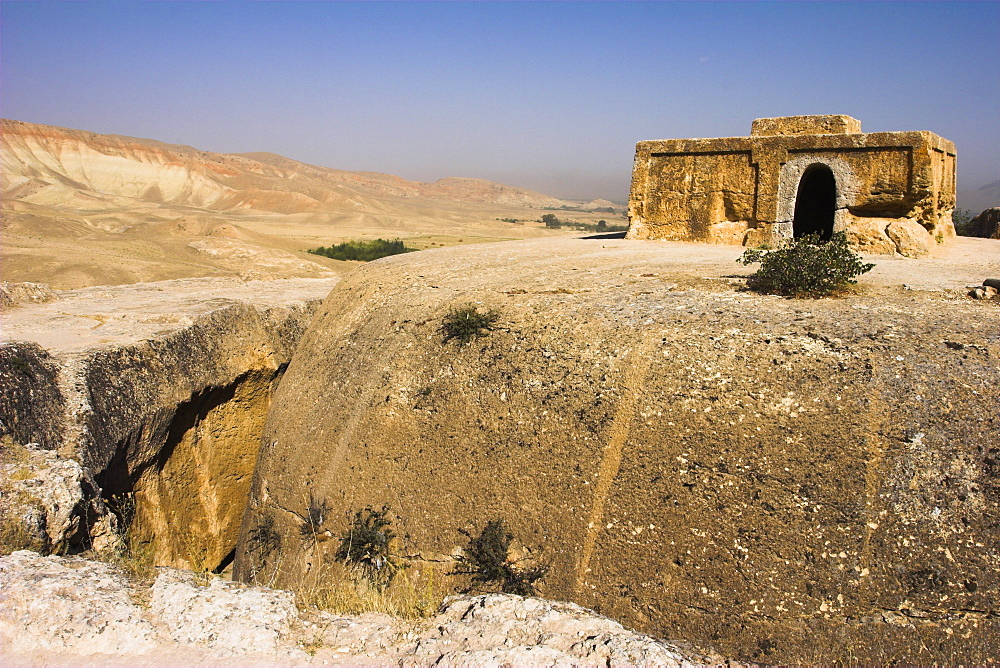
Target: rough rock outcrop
x=69, y=610
x=986, y=224
x=163, y=399
x=50, y=504
x=12, y=294
x=780, y=480
x=68, y=606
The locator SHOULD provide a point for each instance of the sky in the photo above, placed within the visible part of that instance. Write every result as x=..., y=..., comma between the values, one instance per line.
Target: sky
x=550, y=96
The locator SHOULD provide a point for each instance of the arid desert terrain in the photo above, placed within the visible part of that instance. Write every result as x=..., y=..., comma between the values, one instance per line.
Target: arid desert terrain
x=194, y=408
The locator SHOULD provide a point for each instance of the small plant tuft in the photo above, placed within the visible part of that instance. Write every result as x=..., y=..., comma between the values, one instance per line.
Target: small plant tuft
x=806, y=267
x=264, y=538
x=134, y=554
x=314, y=518
x=468, y=322
x=367, y=544
x=487, y=559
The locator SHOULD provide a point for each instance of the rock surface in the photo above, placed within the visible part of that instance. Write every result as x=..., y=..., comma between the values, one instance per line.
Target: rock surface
x=13, y=294
x=50, y=503
x=71, y=611
x=986, y=224
x=160, y=389
x=781, y=480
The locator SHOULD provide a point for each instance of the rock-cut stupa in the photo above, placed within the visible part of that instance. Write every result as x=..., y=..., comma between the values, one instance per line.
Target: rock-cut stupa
x=891, y=192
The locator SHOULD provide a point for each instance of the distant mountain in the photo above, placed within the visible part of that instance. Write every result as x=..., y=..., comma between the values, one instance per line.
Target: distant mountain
x=980, y=199
x=81, y=208
x=54, y=166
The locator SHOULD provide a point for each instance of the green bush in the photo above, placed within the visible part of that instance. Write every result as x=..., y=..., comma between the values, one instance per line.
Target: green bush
x=468, y=322
x=806, y=267
x=365, y=251
x=487, y=560
x=551, y=221
x=367, y=543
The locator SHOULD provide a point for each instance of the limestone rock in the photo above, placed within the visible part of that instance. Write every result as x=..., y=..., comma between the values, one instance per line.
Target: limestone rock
x=227, y=618
x=910, y=238
x=53, y=503
x=869, y=236
x=67, y=610
x=13, y=294
x=500, y=629
x=163, y=399
x=70, y=606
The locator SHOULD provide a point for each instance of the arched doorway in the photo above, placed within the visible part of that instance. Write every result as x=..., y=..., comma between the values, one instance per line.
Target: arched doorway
x=815, y=203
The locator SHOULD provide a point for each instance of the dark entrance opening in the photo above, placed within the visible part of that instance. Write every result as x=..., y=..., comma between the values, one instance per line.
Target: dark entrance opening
x=815, y=202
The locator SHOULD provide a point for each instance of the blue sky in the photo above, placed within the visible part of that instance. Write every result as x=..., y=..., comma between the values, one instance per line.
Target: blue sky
x=548, y=95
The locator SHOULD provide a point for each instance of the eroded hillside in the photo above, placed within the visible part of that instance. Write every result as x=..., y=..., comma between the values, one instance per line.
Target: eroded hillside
x=81, y=208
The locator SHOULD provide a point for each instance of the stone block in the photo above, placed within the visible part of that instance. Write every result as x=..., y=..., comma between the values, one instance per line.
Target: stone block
x=806, y=125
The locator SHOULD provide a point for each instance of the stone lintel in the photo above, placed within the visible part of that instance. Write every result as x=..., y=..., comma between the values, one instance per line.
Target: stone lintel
x=806, y=125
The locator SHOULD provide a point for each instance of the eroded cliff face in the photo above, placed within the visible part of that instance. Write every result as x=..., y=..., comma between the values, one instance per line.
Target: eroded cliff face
x=782, y=481
x=166, y=411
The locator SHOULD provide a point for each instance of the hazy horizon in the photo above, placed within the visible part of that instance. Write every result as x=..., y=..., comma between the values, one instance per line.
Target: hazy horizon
x=546, y=96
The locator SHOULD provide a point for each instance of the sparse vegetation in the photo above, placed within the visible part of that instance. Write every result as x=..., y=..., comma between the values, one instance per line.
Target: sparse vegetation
x=346, y=590
x=962, y=219
x=314, y=518
x=264, y=538
x=806, y=267
x=134, y=555
x=362, y=250
x=487, y=560
x=468, y=322
x=551, y=221
x=366, y=545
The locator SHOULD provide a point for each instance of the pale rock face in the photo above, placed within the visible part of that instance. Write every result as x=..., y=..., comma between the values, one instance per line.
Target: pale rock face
x=229, y=619
x=68, y=605
x=65, y=611
x=13, y=294
x=55, y=500
x=868, y=236
x=504, y=629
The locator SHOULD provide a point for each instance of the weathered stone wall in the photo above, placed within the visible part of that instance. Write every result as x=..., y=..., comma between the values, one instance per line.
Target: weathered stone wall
x=802, y=482
x=743, y=190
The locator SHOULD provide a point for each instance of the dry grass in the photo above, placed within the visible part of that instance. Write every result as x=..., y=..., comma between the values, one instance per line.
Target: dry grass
x=347, y=591
x=134, y=554
x=14, y=536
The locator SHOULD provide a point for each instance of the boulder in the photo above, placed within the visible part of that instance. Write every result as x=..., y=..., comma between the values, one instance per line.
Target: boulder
x=778, y=480
x=910, y=238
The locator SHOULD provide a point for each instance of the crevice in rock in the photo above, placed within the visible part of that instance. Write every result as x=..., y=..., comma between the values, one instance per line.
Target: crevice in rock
x=189, y=495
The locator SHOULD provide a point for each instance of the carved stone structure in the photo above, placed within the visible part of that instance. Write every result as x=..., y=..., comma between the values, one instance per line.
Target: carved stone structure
x=889, y=191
